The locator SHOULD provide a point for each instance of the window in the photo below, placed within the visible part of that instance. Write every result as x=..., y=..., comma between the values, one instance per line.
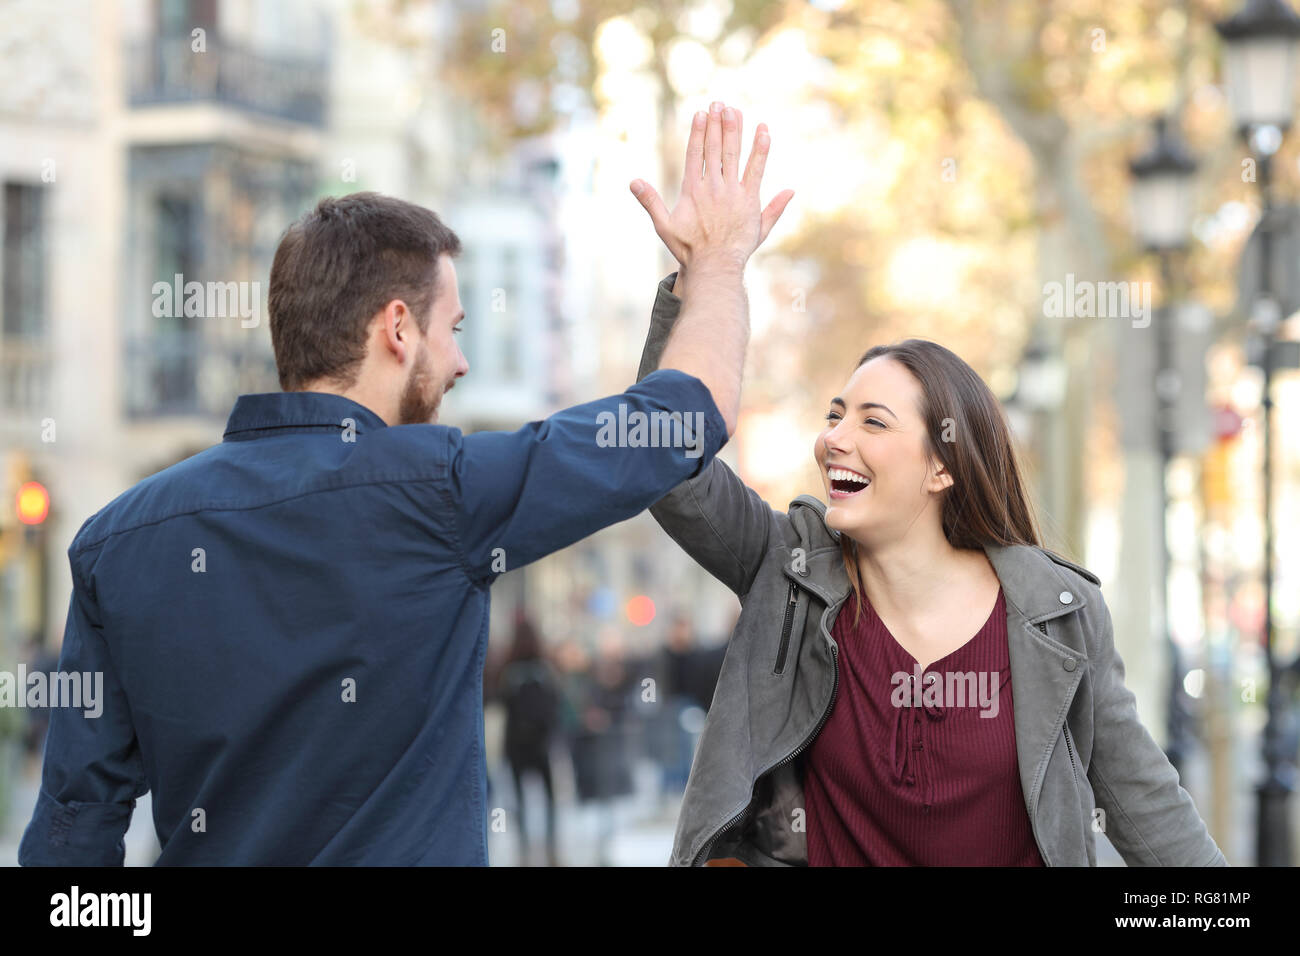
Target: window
x=24, y=260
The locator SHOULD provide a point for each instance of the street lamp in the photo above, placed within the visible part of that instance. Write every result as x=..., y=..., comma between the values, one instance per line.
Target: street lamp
x=1162, y=191
x=1041, y=378
x=1162, y=216
x=1260, y=62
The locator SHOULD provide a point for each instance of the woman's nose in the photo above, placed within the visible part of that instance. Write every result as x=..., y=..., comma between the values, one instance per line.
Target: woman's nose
x=835, y=438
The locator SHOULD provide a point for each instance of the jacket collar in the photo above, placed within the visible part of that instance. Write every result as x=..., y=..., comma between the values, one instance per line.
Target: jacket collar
x=1034, y=582
x=256, y=415
x=1034, y=585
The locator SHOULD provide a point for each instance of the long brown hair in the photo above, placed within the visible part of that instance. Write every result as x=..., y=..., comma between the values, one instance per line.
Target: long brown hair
x=987, y=502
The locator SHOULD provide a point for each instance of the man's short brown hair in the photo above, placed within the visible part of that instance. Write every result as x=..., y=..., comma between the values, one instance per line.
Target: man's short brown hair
x=336, y=267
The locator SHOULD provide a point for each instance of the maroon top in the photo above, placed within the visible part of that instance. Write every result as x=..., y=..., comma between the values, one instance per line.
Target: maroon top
x=929, y=782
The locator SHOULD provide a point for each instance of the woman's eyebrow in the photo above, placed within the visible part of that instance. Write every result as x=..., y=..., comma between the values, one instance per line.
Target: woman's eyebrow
x=864, y=406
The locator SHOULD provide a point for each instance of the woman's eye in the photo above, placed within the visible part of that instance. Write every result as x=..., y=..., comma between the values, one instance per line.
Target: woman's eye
x=876, y=420
x=832, y=417
x=457, y=329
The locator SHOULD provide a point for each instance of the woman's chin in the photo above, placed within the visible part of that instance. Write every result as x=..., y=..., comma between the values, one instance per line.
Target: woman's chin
x=845, y=517
x=836, y=518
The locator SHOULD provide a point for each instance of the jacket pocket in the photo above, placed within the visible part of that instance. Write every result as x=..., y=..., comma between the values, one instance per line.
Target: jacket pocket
x=791, y=602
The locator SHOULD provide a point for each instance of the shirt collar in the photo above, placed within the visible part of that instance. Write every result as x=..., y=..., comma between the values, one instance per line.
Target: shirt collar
x=257, y=415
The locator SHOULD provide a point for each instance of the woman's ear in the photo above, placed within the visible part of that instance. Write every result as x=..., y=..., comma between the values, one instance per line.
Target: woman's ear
x=941, y=473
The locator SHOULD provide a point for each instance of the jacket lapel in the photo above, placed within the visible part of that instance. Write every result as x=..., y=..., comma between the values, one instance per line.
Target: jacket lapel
x=1045, y=672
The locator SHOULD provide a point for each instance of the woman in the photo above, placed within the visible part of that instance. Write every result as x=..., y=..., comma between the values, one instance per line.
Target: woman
x=864, y=712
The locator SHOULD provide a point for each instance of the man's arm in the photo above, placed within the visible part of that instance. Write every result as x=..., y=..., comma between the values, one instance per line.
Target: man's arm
x=520, y=495
x=93, y=772
x=715, y=517
x=714, y=228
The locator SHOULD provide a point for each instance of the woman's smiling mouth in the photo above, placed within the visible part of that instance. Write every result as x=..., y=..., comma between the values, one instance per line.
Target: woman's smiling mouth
x=846, y=483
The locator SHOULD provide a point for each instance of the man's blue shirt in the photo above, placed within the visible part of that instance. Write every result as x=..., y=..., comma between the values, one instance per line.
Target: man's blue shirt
x=291, y=625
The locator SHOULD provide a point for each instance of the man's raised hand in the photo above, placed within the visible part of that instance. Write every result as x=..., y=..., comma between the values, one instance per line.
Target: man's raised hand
x=717, y=217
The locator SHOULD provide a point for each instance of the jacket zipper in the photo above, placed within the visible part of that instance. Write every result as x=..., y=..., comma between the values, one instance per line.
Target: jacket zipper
x=835, y=687
x=1069, y=747
x=1069, y=744
x=785, y=628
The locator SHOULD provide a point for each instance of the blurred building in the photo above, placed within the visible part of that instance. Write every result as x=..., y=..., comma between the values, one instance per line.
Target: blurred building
x=151, y=144
x=145, y=143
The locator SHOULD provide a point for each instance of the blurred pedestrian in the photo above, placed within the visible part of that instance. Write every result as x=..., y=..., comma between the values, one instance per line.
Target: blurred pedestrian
x=605, y=742
x=529, y=688
x=679, y=690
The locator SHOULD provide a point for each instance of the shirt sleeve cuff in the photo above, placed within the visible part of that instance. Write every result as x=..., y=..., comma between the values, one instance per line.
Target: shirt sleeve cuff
x=75, y=834
x=676, y=391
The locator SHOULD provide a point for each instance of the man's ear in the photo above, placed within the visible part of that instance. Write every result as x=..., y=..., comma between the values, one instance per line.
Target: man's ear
x=398, y=328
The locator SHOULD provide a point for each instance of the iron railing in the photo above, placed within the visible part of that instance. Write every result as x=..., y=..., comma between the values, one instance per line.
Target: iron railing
x=164, y=69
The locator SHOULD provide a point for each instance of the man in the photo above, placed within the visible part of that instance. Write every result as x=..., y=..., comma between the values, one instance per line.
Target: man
x=291, y=625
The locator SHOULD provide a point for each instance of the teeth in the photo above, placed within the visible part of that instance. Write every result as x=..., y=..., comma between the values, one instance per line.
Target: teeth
x=840, y=474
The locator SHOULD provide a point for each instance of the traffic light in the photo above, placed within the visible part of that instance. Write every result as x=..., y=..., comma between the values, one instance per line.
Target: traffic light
x=32, y=503
x=24, y=547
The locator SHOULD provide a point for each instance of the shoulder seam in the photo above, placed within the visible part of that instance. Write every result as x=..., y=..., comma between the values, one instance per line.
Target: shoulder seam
x=1080, y=569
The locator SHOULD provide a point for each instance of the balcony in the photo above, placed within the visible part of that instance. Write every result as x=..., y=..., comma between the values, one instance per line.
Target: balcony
x=190, y=373
x=163, y=70
x=24, y=377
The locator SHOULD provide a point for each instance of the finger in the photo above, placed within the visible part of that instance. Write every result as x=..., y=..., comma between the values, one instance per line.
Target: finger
x=740, y=139
x=695, y=150
x=652, y=202
x=713, y=143
x=730, y=144
x=659, y=216
x=758, y=157
x=773, y=212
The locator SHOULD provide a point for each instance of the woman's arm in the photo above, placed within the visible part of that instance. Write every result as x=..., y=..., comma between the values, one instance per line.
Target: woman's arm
x=1150, y=819
x=715, y=517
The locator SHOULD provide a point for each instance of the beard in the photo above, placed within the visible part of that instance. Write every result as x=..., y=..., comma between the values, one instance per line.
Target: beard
x=420, y=400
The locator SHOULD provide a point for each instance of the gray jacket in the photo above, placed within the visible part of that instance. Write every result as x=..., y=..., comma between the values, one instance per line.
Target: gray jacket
x=1086, y=762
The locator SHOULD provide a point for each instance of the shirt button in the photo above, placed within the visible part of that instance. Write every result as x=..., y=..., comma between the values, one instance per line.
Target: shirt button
x=1069, y=663
x=1066, y=597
